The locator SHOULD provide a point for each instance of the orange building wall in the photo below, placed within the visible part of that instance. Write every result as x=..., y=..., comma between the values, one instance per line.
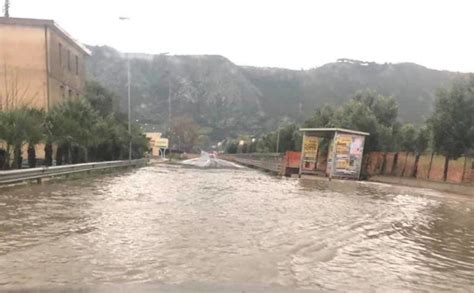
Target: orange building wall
x=60, y=74
x=23, y=65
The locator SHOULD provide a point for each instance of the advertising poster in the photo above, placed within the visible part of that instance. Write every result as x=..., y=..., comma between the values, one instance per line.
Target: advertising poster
x=310, y=151
x=348, y=155
x=342, y=156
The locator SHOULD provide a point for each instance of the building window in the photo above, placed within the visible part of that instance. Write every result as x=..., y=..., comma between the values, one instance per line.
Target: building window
x=62, y=91
x=60, y=53
x=77, y=65
x=69, y=60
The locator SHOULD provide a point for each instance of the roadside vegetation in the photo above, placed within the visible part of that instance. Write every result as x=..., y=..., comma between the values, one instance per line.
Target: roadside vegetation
x=78, y=130
x=449, y=130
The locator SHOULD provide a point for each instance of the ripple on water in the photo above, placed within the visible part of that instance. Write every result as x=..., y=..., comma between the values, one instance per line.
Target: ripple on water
x=173, y=225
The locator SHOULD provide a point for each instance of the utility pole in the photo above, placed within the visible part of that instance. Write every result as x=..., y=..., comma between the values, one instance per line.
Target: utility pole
x=6, y=8
x=169, y=100
x=123, y=18
x=278, y=140
x=129, y=110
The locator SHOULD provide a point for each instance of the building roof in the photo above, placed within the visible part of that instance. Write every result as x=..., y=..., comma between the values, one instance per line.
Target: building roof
x=41, y=23
x=322, y=131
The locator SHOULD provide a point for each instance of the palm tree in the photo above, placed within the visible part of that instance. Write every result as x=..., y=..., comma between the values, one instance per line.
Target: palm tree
x=71, y=125
x=34, y=132
x=15, y=124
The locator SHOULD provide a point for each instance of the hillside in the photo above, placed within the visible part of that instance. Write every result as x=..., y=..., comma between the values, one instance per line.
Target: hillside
x=229, y=99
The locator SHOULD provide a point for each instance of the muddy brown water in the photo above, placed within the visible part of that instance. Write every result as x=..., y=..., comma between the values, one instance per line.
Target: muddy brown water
x=189, y=228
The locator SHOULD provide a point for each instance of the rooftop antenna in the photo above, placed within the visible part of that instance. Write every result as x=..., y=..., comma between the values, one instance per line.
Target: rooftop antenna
x=6, y=8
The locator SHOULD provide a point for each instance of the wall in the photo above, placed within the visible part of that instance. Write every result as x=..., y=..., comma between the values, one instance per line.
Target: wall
x=423, y=167
x=389, y=165
x=63, y=77
x=375, y=163
x=410, y=165
x=426, y=166
x=23, y=65
x=456, y=170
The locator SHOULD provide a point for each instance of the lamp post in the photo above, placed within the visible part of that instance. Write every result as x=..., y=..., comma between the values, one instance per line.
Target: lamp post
x=252, y=141
x=129, y=101
x=278, y=140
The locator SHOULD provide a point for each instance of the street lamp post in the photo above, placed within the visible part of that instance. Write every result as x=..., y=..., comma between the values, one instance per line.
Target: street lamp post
x=129, y=111
x=278, y=140
x=252, y=141
x=129, y=101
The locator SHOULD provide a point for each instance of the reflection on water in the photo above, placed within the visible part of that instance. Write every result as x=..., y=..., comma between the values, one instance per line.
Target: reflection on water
x=168, y=225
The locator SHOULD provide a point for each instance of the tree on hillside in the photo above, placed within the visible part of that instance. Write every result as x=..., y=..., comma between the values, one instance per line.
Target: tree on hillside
x=452, y=122
x=184, y=133
x=322, y=117
x=101, y=99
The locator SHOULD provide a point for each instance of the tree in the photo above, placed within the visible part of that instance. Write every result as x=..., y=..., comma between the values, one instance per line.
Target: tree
x=232, y=147
x=112, y=140
x=184, y=133
x=35, y=132
x=422, y=139
x=101, y=99
x=72, y=123
x=408, y=135
x=356, y=115
x=13, y=135
x=322, y=117
x=366, y=111
x=452, y=123
x=289, y=136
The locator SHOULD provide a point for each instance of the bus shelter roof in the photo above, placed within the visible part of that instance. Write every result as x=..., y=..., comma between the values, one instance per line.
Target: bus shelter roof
x=329, y=132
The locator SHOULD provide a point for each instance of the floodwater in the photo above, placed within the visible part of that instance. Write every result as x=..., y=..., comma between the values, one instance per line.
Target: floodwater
x=173, y=227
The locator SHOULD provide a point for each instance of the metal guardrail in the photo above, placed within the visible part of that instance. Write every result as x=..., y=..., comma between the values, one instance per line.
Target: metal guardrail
x=272, y=162
x=15, y=176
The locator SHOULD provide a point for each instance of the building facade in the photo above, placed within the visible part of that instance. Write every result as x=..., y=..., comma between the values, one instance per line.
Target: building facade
x=158, y=144
x=40, y=64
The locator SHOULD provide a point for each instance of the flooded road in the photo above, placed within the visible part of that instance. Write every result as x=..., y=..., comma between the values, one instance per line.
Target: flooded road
x=173, y=226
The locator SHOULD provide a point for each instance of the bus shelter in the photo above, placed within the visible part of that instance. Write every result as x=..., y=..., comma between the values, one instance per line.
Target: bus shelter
x=342, y=155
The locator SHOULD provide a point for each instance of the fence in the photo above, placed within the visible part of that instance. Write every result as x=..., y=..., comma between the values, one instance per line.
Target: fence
x=427, y=166
x=15, y=176
x=272, y=162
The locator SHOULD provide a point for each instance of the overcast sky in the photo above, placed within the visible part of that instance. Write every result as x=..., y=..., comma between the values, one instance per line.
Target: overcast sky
x=292, y=34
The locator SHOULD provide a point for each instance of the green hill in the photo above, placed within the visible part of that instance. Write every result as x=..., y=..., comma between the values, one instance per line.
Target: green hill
x=229, y=99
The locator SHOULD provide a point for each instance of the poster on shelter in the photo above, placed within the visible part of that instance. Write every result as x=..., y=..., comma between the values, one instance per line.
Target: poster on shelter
x=357, y=146
x=310, y=151
x=348, y=155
